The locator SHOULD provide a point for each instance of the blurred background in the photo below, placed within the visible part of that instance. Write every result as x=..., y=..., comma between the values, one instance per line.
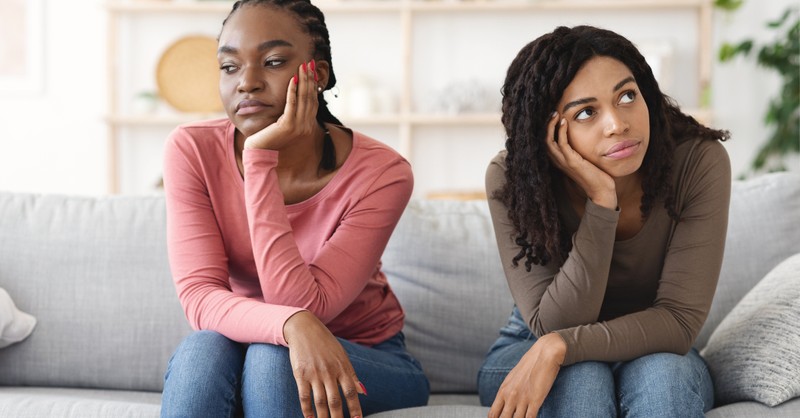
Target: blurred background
x=89, y=89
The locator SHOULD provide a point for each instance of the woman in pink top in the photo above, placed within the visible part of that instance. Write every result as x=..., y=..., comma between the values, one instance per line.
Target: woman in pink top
x=277, y=219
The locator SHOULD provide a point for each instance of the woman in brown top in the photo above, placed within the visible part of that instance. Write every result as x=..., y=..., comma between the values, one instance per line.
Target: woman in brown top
x=610, y=209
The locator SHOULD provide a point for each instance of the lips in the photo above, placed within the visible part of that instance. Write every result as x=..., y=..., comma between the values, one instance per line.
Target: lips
x=622, y=149
x=247, y=107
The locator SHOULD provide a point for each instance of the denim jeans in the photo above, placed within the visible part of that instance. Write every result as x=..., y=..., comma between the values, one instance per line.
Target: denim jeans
x=210, y=375
x=655, y=385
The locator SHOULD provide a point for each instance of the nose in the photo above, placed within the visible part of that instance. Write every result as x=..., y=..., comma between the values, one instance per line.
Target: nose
x=250, y=80
x=615, y=123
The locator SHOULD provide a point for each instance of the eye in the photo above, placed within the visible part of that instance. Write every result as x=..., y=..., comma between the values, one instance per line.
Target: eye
x=584, y=114
x=274, y=62
x=627, y=97
x=228, y=68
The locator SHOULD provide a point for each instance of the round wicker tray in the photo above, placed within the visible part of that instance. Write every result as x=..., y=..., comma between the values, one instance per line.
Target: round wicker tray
x=188, y=75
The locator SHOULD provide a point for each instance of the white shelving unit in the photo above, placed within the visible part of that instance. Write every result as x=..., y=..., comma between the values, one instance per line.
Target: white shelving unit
x=414, y=47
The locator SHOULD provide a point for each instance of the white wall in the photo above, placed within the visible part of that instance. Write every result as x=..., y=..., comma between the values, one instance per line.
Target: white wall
x=55, y=140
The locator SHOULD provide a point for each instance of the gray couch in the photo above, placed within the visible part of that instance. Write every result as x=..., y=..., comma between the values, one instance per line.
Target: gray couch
x=94, y=272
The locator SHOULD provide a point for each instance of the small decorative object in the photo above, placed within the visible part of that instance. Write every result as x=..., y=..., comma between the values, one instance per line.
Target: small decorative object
x=188, y=75
x=466, y=96
x=145, y=102
x=362, y=96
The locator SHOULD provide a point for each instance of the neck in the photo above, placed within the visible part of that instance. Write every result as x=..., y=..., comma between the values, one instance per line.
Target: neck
x=629, y=187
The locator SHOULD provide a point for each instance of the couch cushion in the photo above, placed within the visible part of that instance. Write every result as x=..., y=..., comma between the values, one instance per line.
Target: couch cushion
x=763, y=230
x=450, y=411
x=789, y=409
x=753, y=354
x=37, y=402
x=442, y=262
x=94, y=272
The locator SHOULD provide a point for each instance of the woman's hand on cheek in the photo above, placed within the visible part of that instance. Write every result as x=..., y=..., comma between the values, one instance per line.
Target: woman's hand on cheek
x=321, y=367
x=597, y=184
x=524, y=389
x=299, y=118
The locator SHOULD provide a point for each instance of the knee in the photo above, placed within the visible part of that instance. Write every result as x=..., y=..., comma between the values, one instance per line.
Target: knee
x=268, y=383
x=583, y=389
x=268, y=366
x=267, y=354
x=665, y=385
x=202, y=377
x=660, y=370
x=206, y=352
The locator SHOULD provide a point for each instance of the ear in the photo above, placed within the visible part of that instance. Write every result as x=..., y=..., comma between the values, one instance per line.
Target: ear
x=323, y=72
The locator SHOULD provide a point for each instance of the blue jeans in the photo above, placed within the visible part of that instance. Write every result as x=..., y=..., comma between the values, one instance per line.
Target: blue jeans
x=652, y=386
x=210, y=375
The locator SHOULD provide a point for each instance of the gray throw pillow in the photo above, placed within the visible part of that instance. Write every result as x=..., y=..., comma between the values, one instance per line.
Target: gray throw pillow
x=753, y=354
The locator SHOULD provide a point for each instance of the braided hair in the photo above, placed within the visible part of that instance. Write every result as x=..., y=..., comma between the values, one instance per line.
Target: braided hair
x=534, y=85
x=312, y=22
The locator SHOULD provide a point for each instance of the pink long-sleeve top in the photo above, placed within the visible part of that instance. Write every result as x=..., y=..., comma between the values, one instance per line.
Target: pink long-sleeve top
x=243, y=262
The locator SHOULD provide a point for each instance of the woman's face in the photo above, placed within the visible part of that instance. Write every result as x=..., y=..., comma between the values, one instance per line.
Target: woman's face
x=607, y=117
x=260, y=50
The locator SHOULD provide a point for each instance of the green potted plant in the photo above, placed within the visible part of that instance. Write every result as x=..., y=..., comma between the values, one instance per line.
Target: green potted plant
x=782, y=55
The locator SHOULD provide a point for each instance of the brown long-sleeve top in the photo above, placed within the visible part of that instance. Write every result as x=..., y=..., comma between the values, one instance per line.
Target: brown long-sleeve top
x=618, y=300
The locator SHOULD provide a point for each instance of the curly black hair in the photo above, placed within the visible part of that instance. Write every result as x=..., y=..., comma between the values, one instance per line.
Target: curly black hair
x=312, y=21
x=534, y=85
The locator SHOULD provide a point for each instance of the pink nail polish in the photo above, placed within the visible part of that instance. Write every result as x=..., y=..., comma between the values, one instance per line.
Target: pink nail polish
x=294, y=79
x=303, y=67
x=364, y=389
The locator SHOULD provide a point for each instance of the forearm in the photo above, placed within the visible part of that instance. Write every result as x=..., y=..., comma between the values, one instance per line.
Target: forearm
x=552, y=298
x=336, y=265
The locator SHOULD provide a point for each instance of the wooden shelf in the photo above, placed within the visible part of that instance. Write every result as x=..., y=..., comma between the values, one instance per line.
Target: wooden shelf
x=223, y=7
x=550, y=5
x=370, y=6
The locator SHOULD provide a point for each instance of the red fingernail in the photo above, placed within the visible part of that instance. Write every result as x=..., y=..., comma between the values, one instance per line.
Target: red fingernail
x=363, y=388
x=294, y=79
x=303, y=66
